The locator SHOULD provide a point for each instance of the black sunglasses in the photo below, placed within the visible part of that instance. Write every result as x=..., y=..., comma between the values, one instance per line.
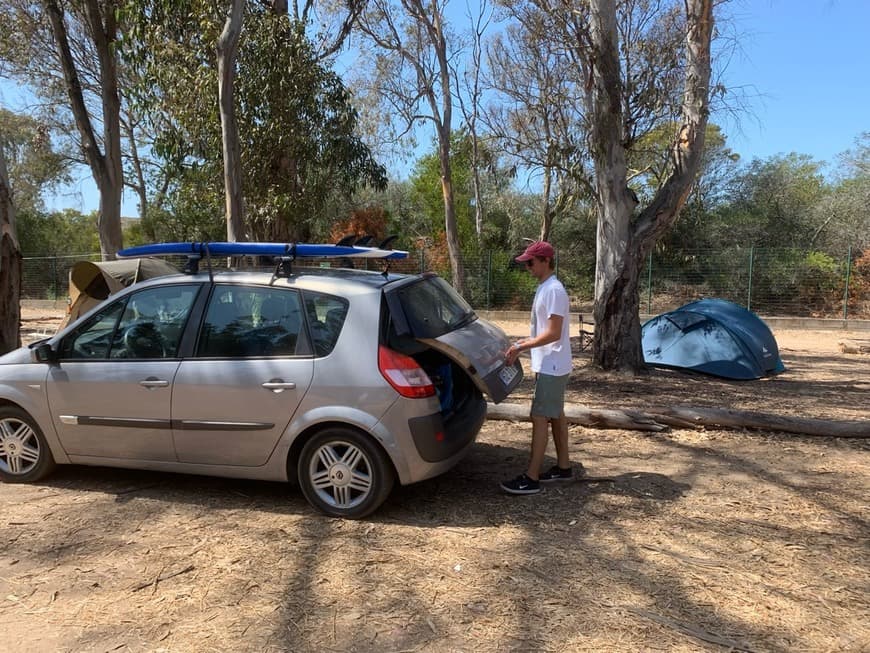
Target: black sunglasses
x=530, y=262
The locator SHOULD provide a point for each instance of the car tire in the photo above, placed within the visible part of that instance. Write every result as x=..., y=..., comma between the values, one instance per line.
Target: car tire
x=344, y=473
x=24, y=453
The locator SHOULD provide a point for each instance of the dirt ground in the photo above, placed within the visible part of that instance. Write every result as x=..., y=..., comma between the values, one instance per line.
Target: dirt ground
x=687, y=540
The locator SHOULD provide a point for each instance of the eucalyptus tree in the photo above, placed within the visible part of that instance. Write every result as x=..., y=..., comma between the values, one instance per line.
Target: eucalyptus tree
x=470, y=85
x=843, y=218
x=10, y=265
x=296, y=125
x=539, y=72
x=624, y=236
x=34, y=165
x=700, y=223
x=70, y=50
x=536, y=112
x=413, y=47
x=772, y=202
x=586, y=82
x=227, y=51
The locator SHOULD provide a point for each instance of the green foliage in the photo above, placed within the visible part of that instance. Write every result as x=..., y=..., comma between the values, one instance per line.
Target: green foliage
x=194, y=211
x=35, y=168
x=425, y=181
x=58, y=233
x=296, y=122
x=771, y=202
x=426, y=192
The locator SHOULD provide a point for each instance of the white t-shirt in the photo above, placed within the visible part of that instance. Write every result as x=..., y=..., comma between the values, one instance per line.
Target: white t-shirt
x=551, y=299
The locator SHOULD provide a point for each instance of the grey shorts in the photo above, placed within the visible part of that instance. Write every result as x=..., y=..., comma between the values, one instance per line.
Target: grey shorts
x=549, y=400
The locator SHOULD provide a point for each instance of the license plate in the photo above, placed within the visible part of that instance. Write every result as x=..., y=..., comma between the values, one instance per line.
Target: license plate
x=507, y=374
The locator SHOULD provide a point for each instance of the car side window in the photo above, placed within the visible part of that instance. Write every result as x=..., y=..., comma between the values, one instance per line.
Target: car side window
x=246, y=321
x=325, y=318
x=92, y=339
x=144, y=325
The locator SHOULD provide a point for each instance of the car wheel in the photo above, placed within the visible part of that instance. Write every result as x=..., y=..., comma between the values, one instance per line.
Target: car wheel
x=344, y=473
x=24, y=453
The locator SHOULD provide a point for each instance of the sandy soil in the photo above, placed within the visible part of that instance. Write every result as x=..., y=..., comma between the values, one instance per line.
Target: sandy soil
x=683, y=541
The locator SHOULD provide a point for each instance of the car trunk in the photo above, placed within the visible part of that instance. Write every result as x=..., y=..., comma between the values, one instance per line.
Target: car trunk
x=461, y=353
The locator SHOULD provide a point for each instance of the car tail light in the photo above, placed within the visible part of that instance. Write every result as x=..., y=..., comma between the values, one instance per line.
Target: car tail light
x=404, y=374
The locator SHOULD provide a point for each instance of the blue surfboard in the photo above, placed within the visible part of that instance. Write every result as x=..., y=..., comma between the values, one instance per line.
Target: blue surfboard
x=292, y=250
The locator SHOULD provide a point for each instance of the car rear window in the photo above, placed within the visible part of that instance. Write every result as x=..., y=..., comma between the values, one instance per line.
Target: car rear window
x=430, y=308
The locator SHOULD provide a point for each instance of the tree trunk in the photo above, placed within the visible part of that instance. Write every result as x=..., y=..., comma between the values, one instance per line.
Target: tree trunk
x=629, y=420
x=475, y=185
x=546, y=209
x=10, y=267
x=444, y=127
x=106, y=167
x=227, y=48
x=691, y=417
x=621, y=244
x=450, y=228
x=140, y=187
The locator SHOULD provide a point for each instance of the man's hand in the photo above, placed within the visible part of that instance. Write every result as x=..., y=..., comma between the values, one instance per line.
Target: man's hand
x=513, y=352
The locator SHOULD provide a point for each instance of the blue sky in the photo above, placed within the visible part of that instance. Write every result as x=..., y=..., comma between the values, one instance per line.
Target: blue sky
x=802, y=66
x=805, y=64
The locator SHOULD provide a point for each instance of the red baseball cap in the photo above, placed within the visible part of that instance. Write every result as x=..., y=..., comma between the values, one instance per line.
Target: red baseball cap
x=541, y=249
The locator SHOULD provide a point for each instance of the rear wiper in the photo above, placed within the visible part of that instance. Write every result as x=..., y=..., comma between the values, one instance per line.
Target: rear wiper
x=463, y=320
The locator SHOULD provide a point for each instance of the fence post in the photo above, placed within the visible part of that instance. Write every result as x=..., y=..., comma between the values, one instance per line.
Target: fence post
x=422, y=260
x=649, y=284
x=488, y=279
x=749, y=290
x=846, y=293
x=54, y=276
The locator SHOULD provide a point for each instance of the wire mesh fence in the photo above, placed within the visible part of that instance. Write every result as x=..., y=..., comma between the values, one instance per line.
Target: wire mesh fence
x=780, y=282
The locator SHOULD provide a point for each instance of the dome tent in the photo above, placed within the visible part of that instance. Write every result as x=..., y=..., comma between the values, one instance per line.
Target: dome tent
x=712, y=336
x=90, y=283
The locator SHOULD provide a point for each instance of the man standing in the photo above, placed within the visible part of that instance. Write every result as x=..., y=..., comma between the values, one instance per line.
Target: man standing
x=550, y=347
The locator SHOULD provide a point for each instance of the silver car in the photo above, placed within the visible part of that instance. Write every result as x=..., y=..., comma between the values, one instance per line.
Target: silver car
x=342, y=381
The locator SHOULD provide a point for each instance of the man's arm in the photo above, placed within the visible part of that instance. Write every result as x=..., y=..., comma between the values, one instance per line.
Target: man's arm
x=551, y=333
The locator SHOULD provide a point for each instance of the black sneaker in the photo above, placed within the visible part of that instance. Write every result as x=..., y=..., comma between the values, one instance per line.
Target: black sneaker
x=522, y=484
x=556, y=473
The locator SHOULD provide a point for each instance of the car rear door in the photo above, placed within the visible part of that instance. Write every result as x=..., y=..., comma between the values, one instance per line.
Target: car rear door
x=233, y=399
x=428, y=309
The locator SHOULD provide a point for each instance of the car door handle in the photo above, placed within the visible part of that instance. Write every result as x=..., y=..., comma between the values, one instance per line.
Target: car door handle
x=152, y=382
x=277, y=385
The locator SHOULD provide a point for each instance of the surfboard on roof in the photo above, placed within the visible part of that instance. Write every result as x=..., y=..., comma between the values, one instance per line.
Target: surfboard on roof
x=291, y=250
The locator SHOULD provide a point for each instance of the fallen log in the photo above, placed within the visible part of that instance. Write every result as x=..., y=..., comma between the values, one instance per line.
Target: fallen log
x=726, y=417
x=853, y=347
x=659, y=419
x=576, y=414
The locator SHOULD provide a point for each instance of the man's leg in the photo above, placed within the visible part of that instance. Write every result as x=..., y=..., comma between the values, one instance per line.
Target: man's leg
x=560, y=439
x=540, y=436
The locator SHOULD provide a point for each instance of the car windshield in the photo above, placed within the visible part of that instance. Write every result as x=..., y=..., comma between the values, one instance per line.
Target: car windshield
x=432, y=307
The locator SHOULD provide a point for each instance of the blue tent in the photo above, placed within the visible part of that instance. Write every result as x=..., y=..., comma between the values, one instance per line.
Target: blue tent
x=712, y=336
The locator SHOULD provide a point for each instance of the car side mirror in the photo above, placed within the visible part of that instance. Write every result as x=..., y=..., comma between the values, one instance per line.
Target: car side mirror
x=43, y=353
